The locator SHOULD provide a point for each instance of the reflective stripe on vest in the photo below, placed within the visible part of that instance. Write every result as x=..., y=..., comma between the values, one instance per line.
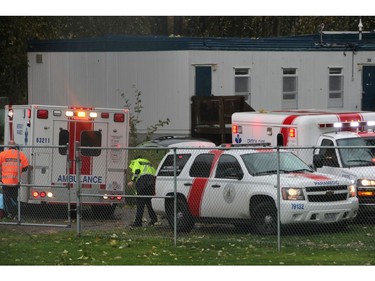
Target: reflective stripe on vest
x=12, y=163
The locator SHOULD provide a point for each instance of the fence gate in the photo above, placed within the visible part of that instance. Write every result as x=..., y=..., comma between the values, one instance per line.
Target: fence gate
x=46, y=191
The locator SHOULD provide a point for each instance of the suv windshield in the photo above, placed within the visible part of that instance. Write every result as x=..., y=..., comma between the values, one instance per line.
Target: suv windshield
x=262, y=163
x=353, y=157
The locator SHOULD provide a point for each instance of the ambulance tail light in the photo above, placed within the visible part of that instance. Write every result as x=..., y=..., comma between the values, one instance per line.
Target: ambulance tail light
x=104, y=115
x=112, y=197
x=119, y=117
x=292, y=132
x=41, y=194
x=42, y=114
x=236, y=129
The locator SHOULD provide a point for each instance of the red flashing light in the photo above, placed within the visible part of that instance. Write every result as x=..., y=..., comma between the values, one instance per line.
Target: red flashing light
x=292, y=133
x=43, y=194
x=119, y=117
x=105, y=115
x=234, y=129
x=119, y=198
x=29, y=113
x=42, y=114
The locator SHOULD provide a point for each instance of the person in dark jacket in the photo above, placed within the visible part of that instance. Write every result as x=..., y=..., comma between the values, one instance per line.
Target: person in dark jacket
x=144, y=180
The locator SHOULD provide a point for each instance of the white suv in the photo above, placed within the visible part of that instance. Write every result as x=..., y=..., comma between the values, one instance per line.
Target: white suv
x=239, y=186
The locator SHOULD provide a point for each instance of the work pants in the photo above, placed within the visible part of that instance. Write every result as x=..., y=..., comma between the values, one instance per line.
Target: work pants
x=10, y=194
x=141, y=203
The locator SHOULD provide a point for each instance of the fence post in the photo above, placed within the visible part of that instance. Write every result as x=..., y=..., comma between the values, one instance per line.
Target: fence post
x=68, y=183
x=278, y=200
x=175, y=196
x=19, y=169
x=78, y=186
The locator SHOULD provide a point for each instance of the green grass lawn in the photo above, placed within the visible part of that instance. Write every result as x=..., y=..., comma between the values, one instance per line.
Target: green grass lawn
x=355, y=246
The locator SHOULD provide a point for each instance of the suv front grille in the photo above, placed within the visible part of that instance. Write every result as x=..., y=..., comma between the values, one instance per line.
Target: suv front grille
x=327, y=193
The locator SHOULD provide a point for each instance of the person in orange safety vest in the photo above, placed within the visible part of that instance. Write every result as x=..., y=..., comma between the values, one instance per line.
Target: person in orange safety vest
x=12, y=163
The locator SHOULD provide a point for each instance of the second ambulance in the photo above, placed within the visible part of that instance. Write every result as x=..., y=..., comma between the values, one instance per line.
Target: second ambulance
x=344, y=142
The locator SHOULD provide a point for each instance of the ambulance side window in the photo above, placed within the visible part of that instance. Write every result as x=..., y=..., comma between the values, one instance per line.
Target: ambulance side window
x=91, y=139
x=201, y=167
x=63, y=140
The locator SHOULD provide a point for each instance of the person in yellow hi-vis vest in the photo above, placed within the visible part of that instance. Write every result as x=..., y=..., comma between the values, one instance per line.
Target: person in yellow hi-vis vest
x=144, y=180
x=12, y=163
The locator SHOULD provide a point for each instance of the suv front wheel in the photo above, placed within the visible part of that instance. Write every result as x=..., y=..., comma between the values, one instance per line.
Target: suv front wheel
x=265, y=218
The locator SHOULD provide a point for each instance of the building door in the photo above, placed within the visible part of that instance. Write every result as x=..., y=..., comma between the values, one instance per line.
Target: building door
x=368, y=88
x=203, y=77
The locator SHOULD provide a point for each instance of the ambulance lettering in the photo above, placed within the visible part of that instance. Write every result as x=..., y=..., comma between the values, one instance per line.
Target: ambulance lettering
x=42, y=140
x=84, y=179
x=252, y=141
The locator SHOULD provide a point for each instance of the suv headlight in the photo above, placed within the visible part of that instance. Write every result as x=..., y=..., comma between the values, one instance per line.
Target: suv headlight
x=292, y=193
x=352, y=190
x=366, y=188
x=366, y=183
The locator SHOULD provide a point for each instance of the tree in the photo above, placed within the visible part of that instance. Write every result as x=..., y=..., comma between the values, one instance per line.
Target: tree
x=16, y=32
x=135, y=113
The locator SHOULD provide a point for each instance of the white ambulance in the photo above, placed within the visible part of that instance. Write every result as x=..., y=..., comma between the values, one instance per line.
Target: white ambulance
x=102, y=171
x=304, y=128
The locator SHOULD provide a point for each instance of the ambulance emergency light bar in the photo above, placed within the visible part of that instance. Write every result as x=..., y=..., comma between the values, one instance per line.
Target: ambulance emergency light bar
x=351, y=124
x=43, y=114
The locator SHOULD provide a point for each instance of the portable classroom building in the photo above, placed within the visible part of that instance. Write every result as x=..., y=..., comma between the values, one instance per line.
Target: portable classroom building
x=322, y=71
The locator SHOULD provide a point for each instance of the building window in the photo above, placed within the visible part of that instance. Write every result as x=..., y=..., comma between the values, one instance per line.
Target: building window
x=290, y=88
x=336, y=87
x=242, y=82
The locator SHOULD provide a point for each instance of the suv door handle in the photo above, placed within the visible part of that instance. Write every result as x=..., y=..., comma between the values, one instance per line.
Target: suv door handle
x=188, y=184
x=215, y=185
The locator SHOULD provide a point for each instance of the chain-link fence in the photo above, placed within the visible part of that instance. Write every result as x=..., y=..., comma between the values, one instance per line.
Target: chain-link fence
x=266, y=194
x=36, y=196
